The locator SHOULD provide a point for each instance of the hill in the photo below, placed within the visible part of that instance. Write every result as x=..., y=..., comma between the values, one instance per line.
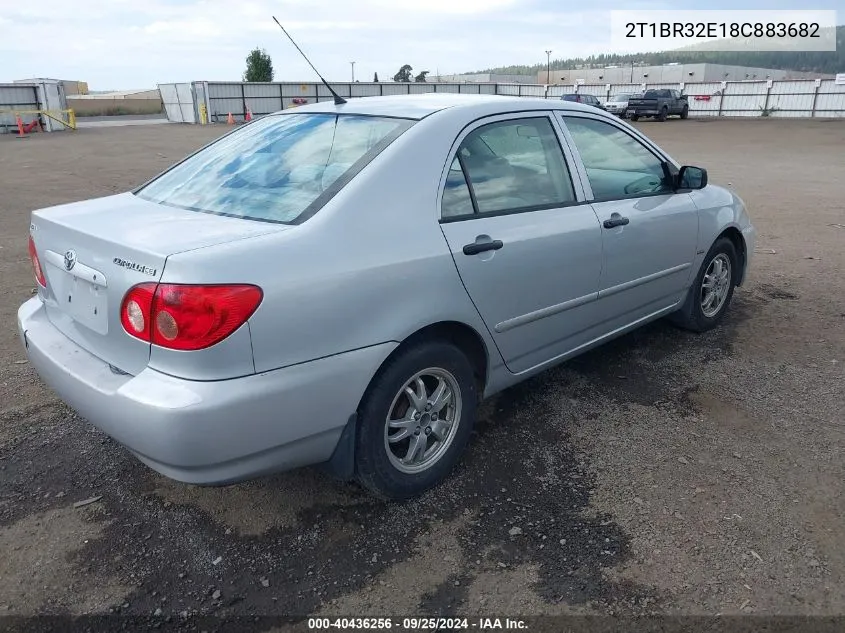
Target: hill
x=809, y=61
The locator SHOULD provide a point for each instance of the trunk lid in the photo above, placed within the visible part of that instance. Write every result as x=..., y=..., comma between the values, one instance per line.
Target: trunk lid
x=93, y=251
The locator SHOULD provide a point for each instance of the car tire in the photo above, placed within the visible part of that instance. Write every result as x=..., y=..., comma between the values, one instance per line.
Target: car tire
x=685, y=112
x=384, y=464
x=700, y=311
x=664, y=113
x=634, y=117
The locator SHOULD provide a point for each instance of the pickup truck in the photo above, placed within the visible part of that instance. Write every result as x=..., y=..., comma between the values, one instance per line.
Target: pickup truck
x=658, y=103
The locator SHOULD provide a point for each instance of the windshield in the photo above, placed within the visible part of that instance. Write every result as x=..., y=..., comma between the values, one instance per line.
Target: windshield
x=281, y=168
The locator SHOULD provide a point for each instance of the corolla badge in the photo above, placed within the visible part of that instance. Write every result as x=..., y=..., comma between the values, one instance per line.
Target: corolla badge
x=128, y=265
x=70, y=259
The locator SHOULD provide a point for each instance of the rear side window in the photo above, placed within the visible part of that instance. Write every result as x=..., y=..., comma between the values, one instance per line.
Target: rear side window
x=508, y=166
x=281, y=168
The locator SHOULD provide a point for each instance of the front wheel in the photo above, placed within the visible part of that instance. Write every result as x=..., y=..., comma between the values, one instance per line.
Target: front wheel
x=712, y=291
x=635, y=117
x=685, y=112
x=415, y=420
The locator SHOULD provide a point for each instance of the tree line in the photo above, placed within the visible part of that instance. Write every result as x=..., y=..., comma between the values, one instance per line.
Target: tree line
x=805, y=61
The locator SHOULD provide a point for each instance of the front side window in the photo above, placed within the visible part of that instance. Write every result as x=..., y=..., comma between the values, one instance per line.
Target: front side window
x=617, y=164
x=510, y=166
x=276, y=169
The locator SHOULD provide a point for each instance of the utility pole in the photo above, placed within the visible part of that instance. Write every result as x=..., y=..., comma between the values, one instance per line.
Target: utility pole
x=548, y=67
x=353, y=71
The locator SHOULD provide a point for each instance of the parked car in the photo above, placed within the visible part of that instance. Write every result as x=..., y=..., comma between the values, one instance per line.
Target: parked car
x=658, y=104
x=618, y=104
x=589, y=100
x=342, y=284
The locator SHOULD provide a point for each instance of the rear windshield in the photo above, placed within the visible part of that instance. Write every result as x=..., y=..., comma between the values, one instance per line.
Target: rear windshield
x=570, y=97
x=281, y=168
x=651, y=94
x=622, y=97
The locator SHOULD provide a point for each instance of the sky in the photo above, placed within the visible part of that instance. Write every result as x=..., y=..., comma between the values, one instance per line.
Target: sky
x=128, y=44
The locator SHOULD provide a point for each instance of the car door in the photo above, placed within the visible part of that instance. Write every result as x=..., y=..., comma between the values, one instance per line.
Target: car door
x=649, y=230
x=526, y=244
x=675, y=106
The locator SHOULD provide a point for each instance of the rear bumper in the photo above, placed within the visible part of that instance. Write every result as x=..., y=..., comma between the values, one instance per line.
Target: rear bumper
x=213, y=432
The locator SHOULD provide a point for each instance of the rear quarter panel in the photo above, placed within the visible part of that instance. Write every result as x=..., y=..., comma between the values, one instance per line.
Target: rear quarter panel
x=372, y=266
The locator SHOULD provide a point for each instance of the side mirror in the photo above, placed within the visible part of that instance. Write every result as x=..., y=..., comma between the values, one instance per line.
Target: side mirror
x=692, y=178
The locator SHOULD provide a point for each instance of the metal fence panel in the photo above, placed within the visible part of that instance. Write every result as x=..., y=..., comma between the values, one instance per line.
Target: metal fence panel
x=301, y=90
x=617, y=89
x=225, y=90
x=792, y=103
x=509, y=89
x=178, y=101
x=740, y=98
x=264, y=105
x=17, y=97
x=219, y=109
x=366, y=90
x=395, y=89
x=830, y=104
x=829, y=86
x=531, y=90
x=261, y=90
x=793, y=87
x=745, y=88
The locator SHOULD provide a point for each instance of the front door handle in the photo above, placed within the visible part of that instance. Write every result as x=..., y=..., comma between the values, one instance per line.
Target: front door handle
x=479, y=247
x=615, y=220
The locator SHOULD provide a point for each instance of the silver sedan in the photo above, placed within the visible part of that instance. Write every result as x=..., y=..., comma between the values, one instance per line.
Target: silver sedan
x=342, y=284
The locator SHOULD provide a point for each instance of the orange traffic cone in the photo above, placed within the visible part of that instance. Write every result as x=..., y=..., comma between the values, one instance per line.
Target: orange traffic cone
x=19, y=121
x=248, y=116
x=231, y=119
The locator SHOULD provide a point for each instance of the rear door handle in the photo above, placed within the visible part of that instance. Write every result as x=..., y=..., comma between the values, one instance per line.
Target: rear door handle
x=615, y=220
x=479, y=247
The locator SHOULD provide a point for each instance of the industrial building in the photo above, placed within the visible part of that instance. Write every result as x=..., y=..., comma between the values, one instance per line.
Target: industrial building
x=668, y=73
x=484, y=78
x=142, y=101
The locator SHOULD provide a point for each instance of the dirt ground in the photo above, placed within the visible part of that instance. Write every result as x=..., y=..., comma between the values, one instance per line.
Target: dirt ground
x=665, y=473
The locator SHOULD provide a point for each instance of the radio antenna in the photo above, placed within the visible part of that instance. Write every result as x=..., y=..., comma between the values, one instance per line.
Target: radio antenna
x=338, y=100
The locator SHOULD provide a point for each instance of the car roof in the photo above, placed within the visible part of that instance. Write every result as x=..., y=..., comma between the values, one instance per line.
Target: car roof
x=420, y=106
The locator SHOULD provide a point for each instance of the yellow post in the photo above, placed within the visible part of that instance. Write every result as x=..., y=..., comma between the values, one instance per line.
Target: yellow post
x=203, y=114
x=71, y=118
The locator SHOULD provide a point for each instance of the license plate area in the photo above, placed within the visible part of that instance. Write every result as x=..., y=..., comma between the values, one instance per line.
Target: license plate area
x=81, y=293
x=85, y=303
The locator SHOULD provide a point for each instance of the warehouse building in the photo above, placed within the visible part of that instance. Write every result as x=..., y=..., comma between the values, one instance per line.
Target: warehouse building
x=484, y=78
x=668, y=73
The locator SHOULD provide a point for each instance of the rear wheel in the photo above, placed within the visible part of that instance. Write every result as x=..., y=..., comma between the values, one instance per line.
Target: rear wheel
x=635, y=117
x=664, y=112
x=712, y=290
x=415, y=420
x=685, y=112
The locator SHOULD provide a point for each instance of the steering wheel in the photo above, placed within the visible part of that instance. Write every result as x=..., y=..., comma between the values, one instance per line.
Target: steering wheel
x=649, y=183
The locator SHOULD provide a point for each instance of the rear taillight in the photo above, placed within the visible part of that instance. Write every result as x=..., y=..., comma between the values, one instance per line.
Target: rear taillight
x=187, y=317
x=36, y=264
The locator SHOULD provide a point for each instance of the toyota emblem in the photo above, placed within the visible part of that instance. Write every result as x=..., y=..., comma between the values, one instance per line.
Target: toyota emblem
x=70, y=260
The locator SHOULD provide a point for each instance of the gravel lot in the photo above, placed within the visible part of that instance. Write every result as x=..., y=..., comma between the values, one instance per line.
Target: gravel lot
x=665, y=473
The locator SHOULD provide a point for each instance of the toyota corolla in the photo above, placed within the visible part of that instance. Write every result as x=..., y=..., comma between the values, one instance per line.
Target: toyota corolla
x=342, y=283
